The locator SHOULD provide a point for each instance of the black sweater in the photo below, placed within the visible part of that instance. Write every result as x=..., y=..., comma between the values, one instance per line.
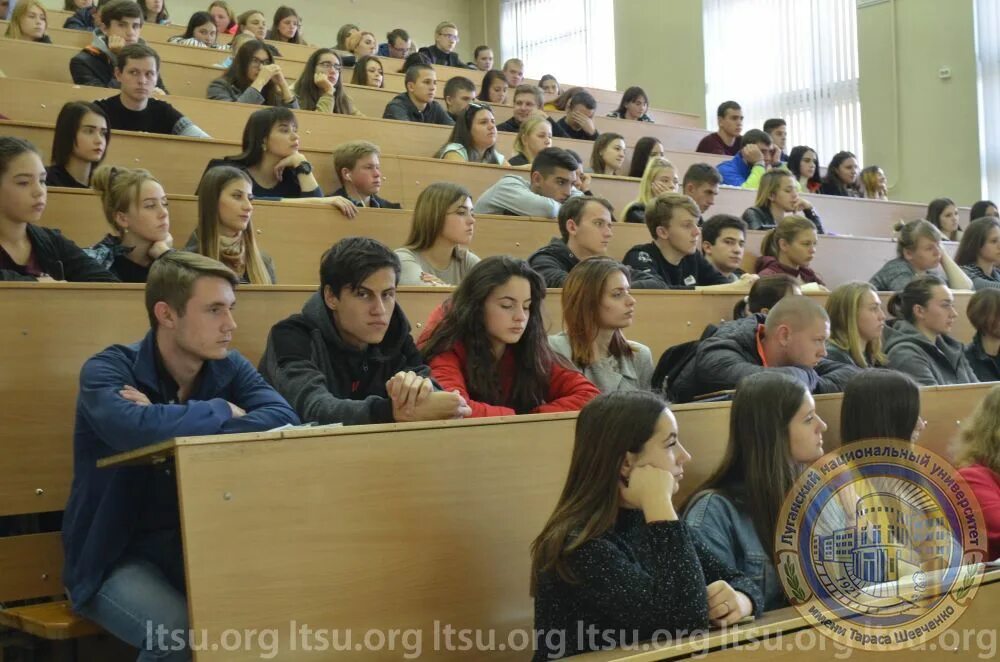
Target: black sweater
x=60, y=258
x=634, y=580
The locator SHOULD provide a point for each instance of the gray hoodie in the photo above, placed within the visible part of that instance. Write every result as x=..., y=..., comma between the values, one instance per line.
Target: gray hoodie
x=930, y=363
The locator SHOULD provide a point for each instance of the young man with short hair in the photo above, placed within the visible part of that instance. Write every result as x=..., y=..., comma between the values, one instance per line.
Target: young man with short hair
x=397, y=44
x=701, y=184
x=442, y=51
x=756, y=156
x=723, y=241
x=528, y=100
x=513, y=71
x=778, y=130
x=121, y=22
x=791, y=338
x=360, y=173
x=579, y=120
x=553, y=178
x=459, y=92
x=585, y=229
x=417, y=103
x=725, y=141
x=482, y=58
x=133, y=109
x=124, y=566
x=348, y=357
x=673, y=255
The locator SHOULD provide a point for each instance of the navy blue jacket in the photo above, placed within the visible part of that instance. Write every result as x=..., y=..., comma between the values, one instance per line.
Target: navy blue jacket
x=106, y=506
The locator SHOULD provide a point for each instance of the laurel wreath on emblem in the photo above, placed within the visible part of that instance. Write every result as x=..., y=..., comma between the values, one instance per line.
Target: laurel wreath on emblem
x=793, y=580
x=967, y=581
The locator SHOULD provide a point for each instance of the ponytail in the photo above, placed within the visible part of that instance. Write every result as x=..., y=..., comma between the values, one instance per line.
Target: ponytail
x=764, y=294
x=918, y=292
x=118, y=188
x=787, y=228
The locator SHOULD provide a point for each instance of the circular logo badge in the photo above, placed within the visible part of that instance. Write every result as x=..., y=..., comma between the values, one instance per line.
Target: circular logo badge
x=880, y=545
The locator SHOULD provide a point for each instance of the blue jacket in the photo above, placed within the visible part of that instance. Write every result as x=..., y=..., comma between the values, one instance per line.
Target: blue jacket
x=735, y=171
x=728, y=532
x=107, y=506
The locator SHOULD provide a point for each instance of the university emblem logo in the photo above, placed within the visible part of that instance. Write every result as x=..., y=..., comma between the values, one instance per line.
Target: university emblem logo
x=881, y=544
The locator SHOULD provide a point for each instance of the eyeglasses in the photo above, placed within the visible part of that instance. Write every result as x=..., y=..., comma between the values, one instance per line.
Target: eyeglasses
x=329, y=65
x=449, y=36
x=259, y=62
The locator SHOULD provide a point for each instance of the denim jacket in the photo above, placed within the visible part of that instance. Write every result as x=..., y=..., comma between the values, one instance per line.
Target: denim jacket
x=728, y=532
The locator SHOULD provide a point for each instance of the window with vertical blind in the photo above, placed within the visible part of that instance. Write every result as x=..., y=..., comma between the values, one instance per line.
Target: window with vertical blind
x=794, y=59
x=574, y=40
x=988, y=61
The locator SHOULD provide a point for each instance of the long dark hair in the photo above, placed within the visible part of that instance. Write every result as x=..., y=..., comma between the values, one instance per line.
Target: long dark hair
x=934, y=211
x=764, y=294
x=488, y=78
x=918, y=292
x=461, y=133
x=758, y=470
x=974, y=239
x=630, y=95
x=308, y=93
x=68, y=125
x=464, y=322
x=640, y=155
x=980, y=208
x=795, y=164
x=360, y=76
x=832, y=178
x=236, y=74
x=879, y=404
x=608, y=427
x=280, y=14
x=256, y=131
x=198, y=19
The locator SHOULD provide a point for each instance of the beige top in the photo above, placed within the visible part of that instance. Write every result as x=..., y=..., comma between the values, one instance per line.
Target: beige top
x=414, y=264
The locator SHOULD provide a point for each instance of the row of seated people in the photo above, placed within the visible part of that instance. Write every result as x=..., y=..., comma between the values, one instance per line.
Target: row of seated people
x=710, y=557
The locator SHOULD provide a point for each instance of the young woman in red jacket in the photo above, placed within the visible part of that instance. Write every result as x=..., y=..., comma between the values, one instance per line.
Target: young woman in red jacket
x=491, y=346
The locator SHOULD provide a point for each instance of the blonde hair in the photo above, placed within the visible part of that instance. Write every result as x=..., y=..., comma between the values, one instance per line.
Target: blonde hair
x=210, y=190
x=787, y=228
x=842, y=307
x=980, y=437
x=355, y=40
x=119, y=188
x=14, y=27
x=527, y=127
x=909, y=233
x=429, y=214
x=444, y=24
x=654, y=167
x=769, y=185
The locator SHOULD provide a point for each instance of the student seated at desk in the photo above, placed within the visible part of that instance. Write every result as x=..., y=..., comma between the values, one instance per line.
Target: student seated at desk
x=360, y=174
x=672, y=257
x=633, y=106
x=983, y=352
x=155, y=12
x=83, y=16
x=79, y=145
x=473, y=138
x=28, y=22
x=789, y=248
x=918, y=251
x=881, y=404
x=978, y=252
x=723, y=242
x=791, y=339
x=764, y=294
x=978, y=463
x=494, y=88
x=596, y=307
x=397, y=44
x=725, y=141
x=136, y=208
x=579, y=119
x=286, y=26
x=30, y=252
x=549, y=85
x=803, y=163
x=482, y=58
x=553, y=177
x=534, y=135
x=320, y=87
x=459, y=92
x=274, y=164
x=368, y=72
x=778, y=195
x=488, y=343
x=225, y=229
x=254, y=22
x=442, y=51
x=362, y=43
x=756, y=156
x=133, y=109
x=842, y=176
x=253, y=77
x=607, y=156
x=659, y=177
x=775, y=433
x=348, y=357
x=417, y=103
x=856, y=325
x=920, y=346
x=201, y=32
x=96, y=64
x=222, y=14
x=513, y=71
x=585, y=228
x=124, y=566
x=527, y=102
x=437, y=250
x=614, y=557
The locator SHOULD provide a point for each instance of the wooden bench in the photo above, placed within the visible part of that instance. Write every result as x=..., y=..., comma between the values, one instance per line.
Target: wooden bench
x=296, y=239
x=446, y=489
